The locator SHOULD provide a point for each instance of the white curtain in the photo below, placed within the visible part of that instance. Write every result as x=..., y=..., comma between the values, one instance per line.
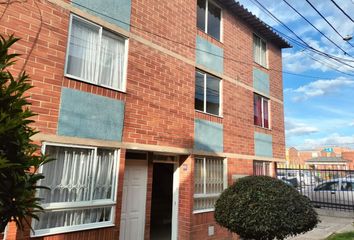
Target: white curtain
x=263, y=51
x=256, y=48
x=76, y=176
x=83, y=50
x=111, y=61
x=214, y=182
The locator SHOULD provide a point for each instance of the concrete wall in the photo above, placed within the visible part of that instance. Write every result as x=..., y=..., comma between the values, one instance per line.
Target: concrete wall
x=114, y=11
x=209, y=55
x=90, y=116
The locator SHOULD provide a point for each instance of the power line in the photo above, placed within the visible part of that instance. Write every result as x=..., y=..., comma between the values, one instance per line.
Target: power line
x=231, y=59
x=315, y=27
x=256, y=2
x=342, y=10
x=314, y=8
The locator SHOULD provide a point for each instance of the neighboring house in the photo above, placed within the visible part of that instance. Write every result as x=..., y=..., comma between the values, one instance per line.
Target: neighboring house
x=325, y=157
x=328, y=163
x=151, y=108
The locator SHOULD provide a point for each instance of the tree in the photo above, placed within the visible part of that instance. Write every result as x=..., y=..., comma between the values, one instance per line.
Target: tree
x=19, y=156
x=264, y=208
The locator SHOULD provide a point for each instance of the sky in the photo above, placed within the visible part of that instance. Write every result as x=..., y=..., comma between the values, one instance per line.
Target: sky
x=319, y=107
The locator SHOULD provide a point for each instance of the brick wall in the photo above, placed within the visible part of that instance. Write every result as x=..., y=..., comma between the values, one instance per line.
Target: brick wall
x=349, y=155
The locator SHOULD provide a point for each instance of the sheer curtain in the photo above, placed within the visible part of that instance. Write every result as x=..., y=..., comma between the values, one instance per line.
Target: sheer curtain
x=257, y=110
x=83, y=50
x=76, y=176
x=265, y=113
x=111, y=61
x=256, y=49
x=208, y=186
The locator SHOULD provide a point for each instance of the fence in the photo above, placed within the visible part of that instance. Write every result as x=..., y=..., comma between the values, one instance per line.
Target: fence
x=328, y=187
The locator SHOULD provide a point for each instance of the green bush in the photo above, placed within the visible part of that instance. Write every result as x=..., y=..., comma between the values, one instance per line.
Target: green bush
x=264, y=208
x=19, y=157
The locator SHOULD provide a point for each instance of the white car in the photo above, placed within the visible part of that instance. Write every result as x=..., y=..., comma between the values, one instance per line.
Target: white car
x=337, y=192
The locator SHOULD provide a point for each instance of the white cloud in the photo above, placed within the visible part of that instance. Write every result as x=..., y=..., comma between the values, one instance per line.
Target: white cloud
x=334, y=139
x=351, y=124
x=320, y=88
x=294, y=128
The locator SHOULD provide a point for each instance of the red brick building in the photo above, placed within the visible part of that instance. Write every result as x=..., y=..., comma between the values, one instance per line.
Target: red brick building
x=151, y=108
x=326, y=157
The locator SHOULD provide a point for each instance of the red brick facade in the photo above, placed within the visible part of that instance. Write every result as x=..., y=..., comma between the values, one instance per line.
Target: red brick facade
x=159, y=97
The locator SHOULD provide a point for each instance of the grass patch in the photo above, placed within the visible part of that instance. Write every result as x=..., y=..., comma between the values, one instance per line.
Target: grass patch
x=342, y=236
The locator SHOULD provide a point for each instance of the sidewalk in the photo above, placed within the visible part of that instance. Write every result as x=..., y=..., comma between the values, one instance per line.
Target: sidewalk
x=331, y=222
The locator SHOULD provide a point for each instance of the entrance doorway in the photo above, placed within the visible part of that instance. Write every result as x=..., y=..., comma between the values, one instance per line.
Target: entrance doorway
x=162, y=202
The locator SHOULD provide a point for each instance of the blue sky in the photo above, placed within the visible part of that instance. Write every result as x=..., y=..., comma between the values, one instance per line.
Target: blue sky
x=318, y=111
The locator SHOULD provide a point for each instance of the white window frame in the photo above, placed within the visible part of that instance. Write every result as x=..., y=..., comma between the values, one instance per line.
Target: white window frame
x=264, y=167
x=205, y=30
x=262, y=112
x=258, y=61
x=113, y=35
x=52, y=207
x=207, y=195
x=205, y=94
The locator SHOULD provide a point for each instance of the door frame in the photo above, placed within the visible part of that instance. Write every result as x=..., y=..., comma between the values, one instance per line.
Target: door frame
x=175, y=194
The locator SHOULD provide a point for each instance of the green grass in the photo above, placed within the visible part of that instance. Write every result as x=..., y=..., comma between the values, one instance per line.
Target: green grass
x=342, y=236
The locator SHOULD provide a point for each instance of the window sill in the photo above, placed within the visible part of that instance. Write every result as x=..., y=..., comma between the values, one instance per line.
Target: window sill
x=204, y=211
x=268, y=129
x=261, y=66
x=203, y=31
x=72, y=77
x=59, y=230
x=209, y=114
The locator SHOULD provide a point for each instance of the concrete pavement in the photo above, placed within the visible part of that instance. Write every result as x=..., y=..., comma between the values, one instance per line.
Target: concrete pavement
x=331, y=222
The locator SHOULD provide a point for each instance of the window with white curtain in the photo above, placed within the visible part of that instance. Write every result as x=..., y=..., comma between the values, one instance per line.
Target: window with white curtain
x=82, y=182
x=209, y=18
x=261, y=168
x=259, y=51
x=209, y=182
x=95, y=55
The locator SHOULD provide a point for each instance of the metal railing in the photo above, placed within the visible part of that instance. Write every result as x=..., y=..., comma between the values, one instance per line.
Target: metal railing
x=327, y=187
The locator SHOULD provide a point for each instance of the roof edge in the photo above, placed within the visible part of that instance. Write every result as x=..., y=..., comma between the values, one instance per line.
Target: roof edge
x=261, y=27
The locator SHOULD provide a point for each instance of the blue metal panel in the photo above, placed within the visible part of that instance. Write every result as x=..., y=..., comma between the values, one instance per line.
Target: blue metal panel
x=90, y=116
x=261, y=81
x=113, y=11
x=209, y=55
x=263, y=144
x=208, y=136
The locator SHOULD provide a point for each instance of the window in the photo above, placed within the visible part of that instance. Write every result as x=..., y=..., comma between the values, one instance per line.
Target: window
x=209, y=18
x=83, y=189
x=259, y=51
x=207, y=93
x=261, y=111
x=329, y=186
x=95, y=55
x=209, y=182
x=347, y=186
x=261, y=168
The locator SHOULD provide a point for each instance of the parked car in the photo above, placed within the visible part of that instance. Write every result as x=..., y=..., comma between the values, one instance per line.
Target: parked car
x=335, y=192
x=298, y=177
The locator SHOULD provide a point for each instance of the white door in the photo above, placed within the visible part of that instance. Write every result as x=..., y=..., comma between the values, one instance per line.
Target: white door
x=132, y=223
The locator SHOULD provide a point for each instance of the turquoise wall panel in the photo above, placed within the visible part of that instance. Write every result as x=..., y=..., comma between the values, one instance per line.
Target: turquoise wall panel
x=209, y=55
x=113, y=11
x=90, y=116
x=263, y=144
x=208, y=136
x=261, y=81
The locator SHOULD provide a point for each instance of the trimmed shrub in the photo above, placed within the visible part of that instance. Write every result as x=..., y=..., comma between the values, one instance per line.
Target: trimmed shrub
x=264, y=208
